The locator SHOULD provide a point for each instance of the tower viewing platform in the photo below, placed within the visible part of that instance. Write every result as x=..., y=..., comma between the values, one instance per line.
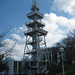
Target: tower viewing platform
x=35, y=13
x=39, y=31
x=38, y=22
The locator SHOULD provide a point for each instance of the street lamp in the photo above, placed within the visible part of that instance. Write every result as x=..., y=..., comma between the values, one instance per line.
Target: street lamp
x=62, y=51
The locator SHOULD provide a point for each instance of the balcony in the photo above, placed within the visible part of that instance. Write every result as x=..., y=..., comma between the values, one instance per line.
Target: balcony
x=32, y=23
x=37, y=13
x=32, y=32
x=31, y=52
x=43, y=32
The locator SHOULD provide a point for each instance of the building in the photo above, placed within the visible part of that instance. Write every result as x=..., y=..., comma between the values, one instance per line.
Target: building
x=15, y=67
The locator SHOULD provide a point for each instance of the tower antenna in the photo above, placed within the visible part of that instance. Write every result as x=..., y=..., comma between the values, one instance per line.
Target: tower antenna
x=34, y=3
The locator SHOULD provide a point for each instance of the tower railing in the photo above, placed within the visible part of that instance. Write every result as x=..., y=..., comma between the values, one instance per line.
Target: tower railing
x=33, y=12
x=41, y=22
x=38, y=30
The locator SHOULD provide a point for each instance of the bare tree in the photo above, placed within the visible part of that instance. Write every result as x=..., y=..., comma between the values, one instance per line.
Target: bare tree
x=68, y=44
x=4, y=52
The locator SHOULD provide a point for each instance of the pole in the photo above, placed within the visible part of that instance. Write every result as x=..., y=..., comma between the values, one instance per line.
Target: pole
x=46, y=67
x=62, y=63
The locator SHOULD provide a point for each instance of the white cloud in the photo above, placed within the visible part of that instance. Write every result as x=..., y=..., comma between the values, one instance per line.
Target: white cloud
x=23, y=28
x=20, y=30
x=19, y=47
x=18, y=51
x=15, y=36
x=54, y=32
x=67, y=6
x=8, y=45
x=53, y=38
x=50, y=21
x=57, y=27
x=65, y=22
x=54, y=25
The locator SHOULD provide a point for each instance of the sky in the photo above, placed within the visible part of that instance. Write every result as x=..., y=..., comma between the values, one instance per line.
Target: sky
x=59, y=19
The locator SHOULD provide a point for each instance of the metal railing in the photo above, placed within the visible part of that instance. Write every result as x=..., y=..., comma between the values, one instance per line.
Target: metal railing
x=35, y=21
x=34, y=13
x=39, y=30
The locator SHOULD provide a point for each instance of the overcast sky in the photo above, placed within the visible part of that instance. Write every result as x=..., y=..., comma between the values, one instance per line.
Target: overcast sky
x=59, y=18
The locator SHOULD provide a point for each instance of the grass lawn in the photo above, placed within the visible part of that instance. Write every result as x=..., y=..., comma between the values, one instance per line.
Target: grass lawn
x=69, y=70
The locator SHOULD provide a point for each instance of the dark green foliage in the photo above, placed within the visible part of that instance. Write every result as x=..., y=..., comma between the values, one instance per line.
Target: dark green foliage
x=69, y=70
x=69, y=67
x=55, y=68
x=3, y=66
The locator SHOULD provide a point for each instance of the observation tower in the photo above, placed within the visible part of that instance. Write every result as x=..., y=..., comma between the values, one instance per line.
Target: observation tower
x=35, y=55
